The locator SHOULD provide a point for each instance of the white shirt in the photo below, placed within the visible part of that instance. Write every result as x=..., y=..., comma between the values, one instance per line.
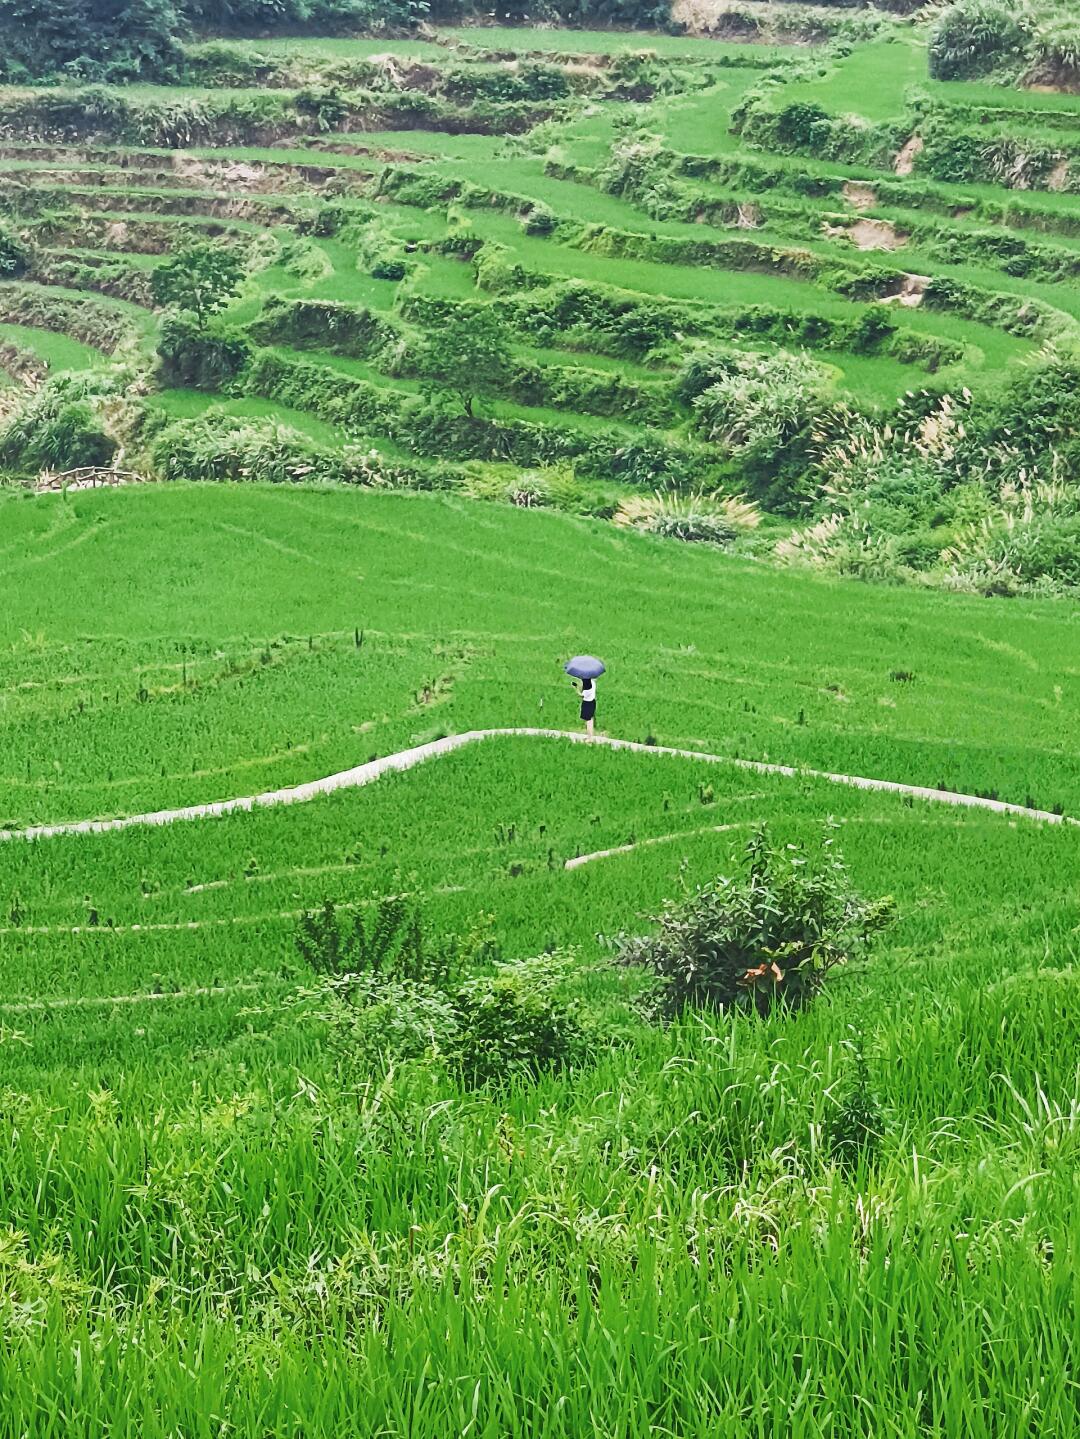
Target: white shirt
x=588, y=689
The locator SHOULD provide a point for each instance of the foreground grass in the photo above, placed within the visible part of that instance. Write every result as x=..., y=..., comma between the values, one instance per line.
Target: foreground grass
x=662, y=1242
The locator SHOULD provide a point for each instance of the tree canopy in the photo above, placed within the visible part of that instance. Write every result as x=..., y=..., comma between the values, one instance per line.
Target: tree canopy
x=468, y=355
x=201, y=278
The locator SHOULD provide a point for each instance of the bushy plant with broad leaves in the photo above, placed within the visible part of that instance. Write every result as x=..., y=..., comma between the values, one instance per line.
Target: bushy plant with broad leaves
x=199, y=279
x=467, y=356
x=374, y=1020
x=762, y=939
x=198, y=357
x=521, y=1019
x=389, y=991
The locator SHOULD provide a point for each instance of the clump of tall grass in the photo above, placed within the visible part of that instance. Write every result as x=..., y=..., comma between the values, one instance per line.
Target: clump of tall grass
x=708, y=518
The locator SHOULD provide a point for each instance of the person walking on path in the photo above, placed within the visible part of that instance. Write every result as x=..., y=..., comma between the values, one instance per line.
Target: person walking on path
x=587, y=669
x=588, y=704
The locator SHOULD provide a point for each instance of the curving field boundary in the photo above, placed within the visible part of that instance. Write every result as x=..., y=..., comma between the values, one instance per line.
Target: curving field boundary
x=363, y=774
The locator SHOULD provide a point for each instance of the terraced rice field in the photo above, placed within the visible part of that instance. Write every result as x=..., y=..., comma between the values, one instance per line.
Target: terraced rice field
x=219, y=1214
x=546, y=209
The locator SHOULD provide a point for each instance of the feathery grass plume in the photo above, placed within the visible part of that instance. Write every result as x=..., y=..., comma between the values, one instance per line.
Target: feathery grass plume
x=709, y=518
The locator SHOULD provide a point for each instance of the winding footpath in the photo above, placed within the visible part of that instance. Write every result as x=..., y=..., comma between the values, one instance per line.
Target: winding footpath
x=364, y=774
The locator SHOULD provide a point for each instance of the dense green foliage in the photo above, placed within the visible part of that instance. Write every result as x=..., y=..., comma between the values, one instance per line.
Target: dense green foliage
x=767, y=937
x=350, y=1116
x=114, y=39
x=199, y=280
x=466, y=356
x=1039, y=38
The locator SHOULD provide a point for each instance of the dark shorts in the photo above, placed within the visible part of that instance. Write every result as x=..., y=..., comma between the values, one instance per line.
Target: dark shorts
x=588, y=709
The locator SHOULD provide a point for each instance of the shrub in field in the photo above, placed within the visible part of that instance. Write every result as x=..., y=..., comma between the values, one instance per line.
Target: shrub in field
x=467, y=356
x=327, y=105
x=387, y=939
x=324, y=325
x=846, y=545
x=217, y=447
x=522, y=1019
x=1056, y=52
x=1028, y=541
x=973, y=37
x=200, y=357
x=377, y=1019
x=539, y=219
x=767, y=937
x=760, y=409
x=803, y=127
x=1031, y=428
x=390, y=991
x=58, y=429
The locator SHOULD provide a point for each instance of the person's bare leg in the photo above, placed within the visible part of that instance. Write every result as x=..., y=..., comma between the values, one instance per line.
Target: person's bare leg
x=588, y=727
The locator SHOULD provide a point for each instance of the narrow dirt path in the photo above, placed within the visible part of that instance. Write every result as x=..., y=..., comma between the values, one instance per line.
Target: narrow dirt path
x=406, y=759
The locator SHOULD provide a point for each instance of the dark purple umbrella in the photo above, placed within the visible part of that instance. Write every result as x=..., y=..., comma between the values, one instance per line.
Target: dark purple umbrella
x=584, y=667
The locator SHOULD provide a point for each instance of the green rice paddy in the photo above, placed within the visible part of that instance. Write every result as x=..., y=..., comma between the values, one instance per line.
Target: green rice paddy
x=188, y=1163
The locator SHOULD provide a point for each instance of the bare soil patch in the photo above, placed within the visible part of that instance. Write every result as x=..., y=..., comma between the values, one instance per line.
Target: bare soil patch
x=904, y=163
x=911, y=292
x=860, y=195
x=1059, y=176
x=869, y=234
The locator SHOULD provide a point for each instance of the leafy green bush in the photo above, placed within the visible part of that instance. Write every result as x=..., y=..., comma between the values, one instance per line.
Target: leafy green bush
x=199, y=358
x=973, y=37
x=539, y=219
x=90, y=39
x=389, y=268
x=200, y=279
x=521, y=1019
x=331, y=325
x=58, y=429
x=374, y=1020
x=388, y=991
x=467, y=357
x=766, y=937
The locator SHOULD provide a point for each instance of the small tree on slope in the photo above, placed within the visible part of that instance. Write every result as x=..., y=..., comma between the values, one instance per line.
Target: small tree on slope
x=201, y=278
x=468, y=355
